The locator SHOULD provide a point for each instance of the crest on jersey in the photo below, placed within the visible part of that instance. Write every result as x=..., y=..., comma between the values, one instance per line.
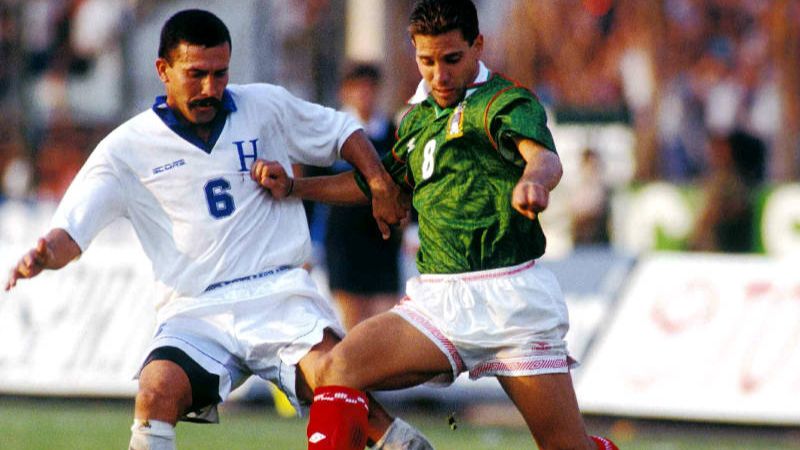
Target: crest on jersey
x=455, y=126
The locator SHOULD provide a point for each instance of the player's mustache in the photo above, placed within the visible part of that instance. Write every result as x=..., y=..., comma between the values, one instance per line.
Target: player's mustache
x=203, y=102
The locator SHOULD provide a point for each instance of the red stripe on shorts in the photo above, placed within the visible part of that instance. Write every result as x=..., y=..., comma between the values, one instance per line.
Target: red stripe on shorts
x=518, y=366
x=422, y=321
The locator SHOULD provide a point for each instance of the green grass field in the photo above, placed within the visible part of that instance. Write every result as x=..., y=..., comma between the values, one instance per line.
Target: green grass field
x=36, y=424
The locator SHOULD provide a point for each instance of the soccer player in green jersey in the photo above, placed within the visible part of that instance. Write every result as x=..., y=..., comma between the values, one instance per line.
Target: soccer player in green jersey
x=476, y=156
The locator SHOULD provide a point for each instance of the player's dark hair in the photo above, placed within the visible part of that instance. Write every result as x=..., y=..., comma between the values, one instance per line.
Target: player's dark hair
x=435, y=17
x=362, y=71
x=195, y=27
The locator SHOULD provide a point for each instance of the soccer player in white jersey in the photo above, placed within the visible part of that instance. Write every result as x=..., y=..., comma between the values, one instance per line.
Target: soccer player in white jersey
x=226, y=256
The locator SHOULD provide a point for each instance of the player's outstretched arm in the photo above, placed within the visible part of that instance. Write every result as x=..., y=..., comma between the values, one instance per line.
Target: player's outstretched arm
x=542, y=173
x=339, y=189
x=390, y=205
x=53, y=251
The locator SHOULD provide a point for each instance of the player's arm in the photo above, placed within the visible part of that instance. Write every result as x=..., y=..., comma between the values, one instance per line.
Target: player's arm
x=542, y=173
x=53, y=251
x=388, y=206
x=339, y=189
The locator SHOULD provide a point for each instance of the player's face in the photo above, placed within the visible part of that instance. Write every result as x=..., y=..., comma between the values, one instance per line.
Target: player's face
x=196, y=80
x=448, y=64
x=360, y=94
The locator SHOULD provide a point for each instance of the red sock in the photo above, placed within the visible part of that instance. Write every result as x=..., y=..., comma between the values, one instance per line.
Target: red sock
x=604, y=443
x=337, y=419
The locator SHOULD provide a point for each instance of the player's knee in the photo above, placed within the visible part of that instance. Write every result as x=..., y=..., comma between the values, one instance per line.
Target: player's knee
x=164, y=391
x=153, y=401
x=160, y=401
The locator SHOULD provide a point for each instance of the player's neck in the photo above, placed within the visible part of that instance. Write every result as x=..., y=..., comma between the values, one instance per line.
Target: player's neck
x=202, y=131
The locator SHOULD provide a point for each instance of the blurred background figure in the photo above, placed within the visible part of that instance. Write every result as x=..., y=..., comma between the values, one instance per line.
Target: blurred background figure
x=362, y=267
x=16, y=173
x=725, y=221
x=59, y=157
x=590, y=203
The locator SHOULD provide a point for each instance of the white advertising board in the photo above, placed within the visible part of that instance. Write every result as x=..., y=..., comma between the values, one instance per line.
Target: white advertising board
x=704, y=337
x=82, y=330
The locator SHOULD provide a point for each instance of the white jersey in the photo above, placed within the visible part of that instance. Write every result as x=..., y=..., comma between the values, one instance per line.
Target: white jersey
x=201, y=220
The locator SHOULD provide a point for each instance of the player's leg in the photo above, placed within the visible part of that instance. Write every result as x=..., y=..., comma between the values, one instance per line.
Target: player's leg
x=164, y=394
x=336, y=417
x=362, y=423
x=171, y=385
x=382, y=352
x=550, y=409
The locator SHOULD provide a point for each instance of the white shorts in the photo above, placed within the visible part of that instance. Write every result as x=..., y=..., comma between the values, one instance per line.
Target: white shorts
x=273, y=323
x=501, y=322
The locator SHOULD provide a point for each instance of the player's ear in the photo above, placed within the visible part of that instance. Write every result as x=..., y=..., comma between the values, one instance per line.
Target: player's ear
x=161, y=68
x=478, y=44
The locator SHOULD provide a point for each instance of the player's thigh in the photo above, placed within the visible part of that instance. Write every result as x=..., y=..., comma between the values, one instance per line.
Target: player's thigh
x=383, y=352
x=549, y=406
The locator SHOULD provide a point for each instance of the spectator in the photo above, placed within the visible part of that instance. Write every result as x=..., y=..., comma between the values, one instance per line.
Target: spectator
x=591, y=202
x=16, y=173
x=725, y=222
x=58, y=160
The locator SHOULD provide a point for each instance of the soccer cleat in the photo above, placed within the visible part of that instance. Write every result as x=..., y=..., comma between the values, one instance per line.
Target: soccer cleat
x=402, y=436
x=603, y=443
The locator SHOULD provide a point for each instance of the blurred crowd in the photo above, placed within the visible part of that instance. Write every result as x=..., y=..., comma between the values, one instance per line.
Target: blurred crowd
x=710, y=87
x=61, y=88
x=683, y=72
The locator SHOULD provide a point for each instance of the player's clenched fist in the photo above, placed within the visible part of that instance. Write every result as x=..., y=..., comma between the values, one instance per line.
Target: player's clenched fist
x=272, y=176
x=31, y=264
x=530, y=198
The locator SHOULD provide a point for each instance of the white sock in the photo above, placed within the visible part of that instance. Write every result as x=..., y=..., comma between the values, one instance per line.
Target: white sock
x=152, y=435
x=402, y=436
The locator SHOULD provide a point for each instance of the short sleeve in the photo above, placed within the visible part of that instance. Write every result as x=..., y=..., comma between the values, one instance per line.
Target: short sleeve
x=314, y=133
x=517, y=113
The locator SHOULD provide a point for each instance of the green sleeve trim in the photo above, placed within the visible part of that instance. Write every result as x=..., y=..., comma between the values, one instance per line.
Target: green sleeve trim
x=362, y=183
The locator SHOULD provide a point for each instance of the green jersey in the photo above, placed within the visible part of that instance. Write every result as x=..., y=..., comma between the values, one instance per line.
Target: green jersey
x=461, y=165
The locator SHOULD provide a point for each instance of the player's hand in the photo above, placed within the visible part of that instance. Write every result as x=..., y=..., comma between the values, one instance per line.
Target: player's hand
x=273, y=177
x=530, y=198
x=390, y=205
x=31, y=264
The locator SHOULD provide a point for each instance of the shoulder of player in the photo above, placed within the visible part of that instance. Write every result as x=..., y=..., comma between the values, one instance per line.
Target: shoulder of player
x=412, y=117
x=500, y=88
x=139, y=127
x=137, y=132
x=259, y=93
x=500, y=92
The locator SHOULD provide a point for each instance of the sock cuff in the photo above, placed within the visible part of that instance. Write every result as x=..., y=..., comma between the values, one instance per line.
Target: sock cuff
x=341, y=394
x=153, y=428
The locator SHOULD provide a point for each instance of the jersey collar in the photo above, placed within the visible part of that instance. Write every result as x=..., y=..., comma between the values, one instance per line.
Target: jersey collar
x=170, y=119
x=424, y=90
